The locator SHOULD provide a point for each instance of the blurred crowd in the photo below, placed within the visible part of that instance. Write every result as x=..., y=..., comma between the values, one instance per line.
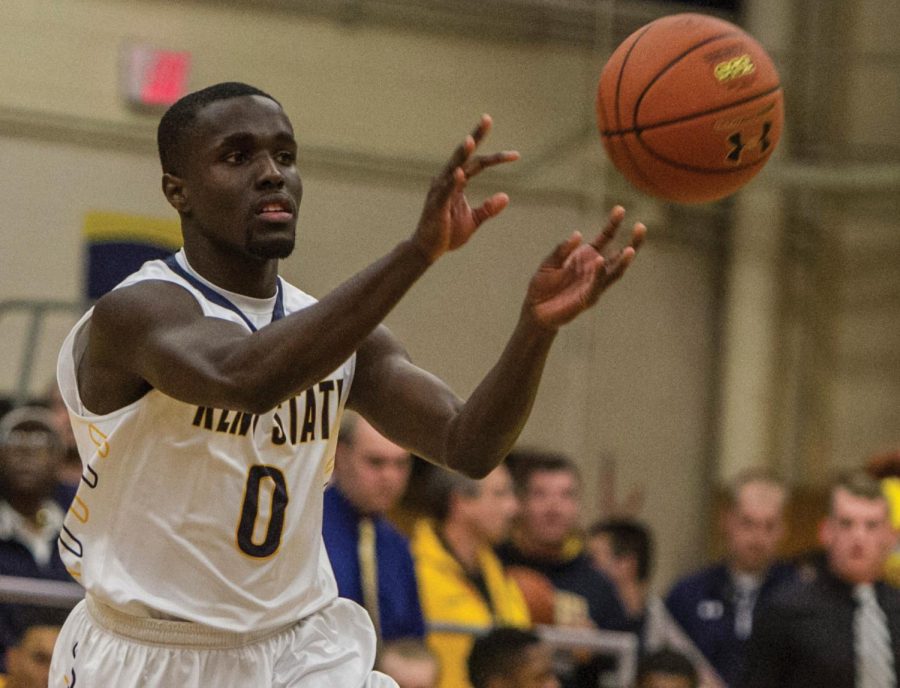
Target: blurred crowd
x=463, y=577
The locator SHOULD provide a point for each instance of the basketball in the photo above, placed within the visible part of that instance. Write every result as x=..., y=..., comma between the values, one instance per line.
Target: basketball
x=538, y=591
x=690, y=108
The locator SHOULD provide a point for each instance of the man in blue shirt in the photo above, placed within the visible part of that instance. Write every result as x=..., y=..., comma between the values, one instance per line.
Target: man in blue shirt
x=716, y=605
x=370, y=476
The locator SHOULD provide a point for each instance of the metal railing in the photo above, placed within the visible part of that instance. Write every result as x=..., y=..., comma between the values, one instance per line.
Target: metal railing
x=40, y=593
x=36, y=312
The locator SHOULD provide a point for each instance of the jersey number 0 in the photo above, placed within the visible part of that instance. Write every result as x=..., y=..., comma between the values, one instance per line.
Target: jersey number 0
x=250, y=511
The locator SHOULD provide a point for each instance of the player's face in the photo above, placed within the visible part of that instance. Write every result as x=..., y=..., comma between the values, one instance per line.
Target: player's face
x=491, y=512
x=754, y=527
x=373, y=472
x=240, y=181
x=550, y=508
x=858, y=537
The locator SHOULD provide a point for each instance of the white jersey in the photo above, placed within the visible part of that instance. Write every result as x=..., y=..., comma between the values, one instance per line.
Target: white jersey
x=203, y=514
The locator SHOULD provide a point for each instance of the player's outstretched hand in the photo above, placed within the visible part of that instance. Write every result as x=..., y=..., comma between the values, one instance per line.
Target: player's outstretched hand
x=571, y=279
x=448, y=221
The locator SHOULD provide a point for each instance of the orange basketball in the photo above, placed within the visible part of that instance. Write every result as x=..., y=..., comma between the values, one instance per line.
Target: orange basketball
x=538, y=591
x=690, y=108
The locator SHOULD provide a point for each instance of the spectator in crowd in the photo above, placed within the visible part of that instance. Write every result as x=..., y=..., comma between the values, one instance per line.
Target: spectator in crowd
x=511, y=658
x=666, y=668
x=28, y=657
x=622, y=548
x=410, y=663
x=716, y=605
x=370, y=557
x=545, y=539
x=546, y=543
x=461, y=580
x=69, y=473
x=839, y=628
x=30, y=517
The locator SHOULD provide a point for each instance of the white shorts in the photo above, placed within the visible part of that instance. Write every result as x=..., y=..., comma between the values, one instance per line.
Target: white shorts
x=100, y=647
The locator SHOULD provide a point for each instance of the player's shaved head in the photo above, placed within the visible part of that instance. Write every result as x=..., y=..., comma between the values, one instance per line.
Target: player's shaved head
x=179, y=118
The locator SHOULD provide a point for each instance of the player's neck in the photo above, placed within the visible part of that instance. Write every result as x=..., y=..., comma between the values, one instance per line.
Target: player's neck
x=234, y=271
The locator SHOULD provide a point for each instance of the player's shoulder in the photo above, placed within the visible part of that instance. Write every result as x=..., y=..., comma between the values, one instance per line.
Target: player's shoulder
x=145, y=301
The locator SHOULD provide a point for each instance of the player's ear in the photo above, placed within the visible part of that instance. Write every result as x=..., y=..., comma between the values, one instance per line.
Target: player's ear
x=173, y=188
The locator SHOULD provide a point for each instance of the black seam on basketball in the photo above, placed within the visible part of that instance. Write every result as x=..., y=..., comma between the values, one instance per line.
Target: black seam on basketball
x=697, y=46
x=699, y=170
x=639, y=171
x=626, y=148
x=694, y=115
x=622, y=74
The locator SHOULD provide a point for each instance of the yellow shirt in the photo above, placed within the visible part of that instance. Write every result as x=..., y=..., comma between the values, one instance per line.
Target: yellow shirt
x=891, y=487
x=448, y=596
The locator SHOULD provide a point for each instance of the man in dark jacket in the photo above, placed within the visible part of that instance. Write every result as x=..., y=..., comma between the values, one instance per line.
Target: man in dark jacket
x=838, y=626
x=545, y=542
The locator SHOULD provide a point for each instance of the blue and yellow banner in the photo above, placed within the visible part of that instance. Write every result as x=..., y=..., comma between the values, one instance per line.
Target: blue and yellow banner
x=118, y=244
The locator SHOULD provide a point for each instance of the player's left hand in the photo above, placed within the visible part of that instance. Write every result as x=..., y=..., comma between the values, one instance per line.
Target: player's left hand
x=572, y=278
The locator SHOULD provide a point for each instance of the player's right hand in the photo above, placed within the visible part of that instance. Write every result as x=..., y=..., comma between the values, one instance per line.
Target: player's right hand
x=448, y=221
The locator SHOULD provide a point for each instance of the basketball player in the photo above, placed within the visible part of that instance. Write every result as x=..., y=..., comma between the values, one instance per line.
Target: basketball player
x=205, y=394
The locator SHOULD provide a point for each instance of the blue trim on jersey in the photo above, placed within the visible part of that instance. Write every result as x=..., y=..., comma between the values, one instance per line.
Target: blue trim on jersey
x=219, y=300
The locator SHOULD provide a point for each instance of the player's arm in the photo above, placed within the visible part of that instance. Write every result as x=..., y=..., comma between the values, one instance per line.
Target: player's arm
x=153, y=334
x=418, y=411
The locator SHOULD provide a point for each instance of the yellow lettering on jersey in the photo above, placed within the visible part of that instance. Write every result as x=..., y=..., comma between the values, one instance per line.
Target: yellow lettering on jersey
x=98, y=438
x=80, y=510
